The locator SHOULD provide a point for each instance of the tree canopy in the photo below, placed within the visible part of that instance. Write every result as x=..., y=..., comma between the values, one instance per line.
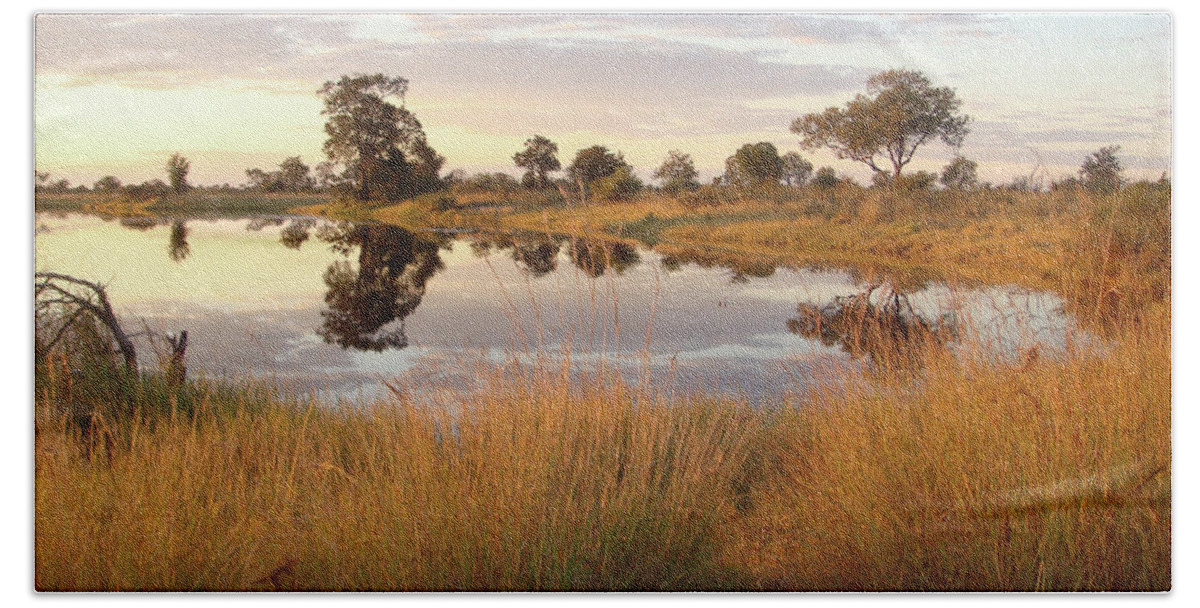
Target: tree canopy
x=902, y=112
x=594, y=163
x=382, y=147
x=754, y=164
x=539, y=158
x=796, y=169
x=960, y=174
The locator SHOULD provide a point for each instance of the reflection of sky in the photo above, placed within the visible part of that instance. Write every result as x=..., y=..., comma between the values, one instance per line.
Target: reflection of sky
x=117, y=94
x=252, y=306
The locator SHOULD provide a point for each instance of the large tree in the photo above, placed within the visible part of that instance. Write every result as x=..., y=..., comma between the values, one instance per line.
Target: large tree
x=539, y=158
x=902, y=112
x=381, y=146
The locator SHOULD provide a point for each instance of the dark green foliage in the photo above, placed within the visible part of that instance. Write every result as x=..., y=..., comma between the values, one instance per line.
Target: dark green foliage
x=593, y=163
x=382, y=147
x=796, y=169
x=826, y=178
x=540, y=158
x=754, y=165
x=622, y=185
x=108, y=183
x=1101, y=171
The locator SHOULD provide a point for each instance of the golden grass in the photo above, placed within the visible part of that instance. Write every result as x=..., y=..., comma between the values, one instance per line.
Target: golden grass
x=950, y=483
x=530, y=486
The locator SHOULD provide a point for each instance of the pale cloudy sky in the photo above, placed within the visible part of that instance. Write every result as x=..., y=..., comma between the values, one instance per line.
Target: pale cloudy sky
x=116, y=94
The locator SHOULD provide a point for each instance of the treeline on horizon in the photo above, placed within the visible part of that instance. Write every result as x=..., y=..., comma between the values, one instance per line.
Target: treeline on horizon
x=378, y=151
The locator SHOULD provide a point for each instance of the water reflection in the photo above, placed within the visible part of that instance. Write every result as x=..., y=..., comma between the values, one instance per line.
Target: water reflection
x=595, y=257
x=878, y=323
x=177, y=245
x=296, y=233
x=367, y=305
x=325, y=305
x=139, y=223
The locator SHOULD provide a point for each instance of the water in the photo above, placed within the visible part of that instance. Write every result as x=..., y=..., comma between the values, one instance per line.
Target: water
x=336, y=308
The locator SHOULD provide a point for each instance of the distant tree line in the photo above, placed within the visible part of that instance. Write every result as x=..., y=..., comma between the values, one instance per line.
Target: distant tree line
x=377, y=150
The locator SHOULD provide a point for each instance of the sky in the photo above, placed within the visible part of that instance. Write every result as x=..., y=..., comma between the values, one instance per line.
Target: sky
x=117, y=94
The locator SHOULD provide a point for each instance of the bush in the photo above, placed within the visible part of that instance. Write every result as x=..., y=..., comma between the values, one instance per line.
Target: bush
x=622, y=185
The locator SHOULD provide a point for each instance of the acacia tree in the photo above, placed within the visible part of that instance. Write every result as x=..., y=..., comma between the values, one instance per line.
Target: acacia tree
x=539, y=158
x=177, y=170
x=677, y=173
x=381, y=146
x=902, y=112
x=1101, y=170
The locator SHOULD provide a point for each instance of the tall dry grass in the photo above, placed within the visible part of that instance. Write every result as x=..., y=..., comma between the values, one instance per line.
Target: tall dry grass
x=532, y=485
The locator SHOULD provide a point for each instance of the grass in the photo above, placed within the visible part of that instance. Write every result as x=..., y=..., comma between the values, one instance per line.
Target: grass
x=1040, y=472
x=198, y=203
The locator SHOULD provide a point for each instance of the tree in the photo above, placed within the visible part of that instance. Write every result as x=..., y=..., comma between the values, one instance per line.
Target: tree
x=108, y=183
x=677, y=173
x=382, y=147
x=177, y=171
x=593, y=163
x=960, y=174
x=903, y=111
x=622, y=185
x=826, y=177
x=539, y=158
x=796, y=170
x=754, y=165
x=293, y=174
x=261, y=180
x=1101, y=171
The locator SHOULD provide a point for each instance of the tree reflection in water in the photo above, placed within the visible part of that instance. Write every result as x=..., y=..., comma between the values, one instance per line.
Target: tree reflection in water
x=594, y=257
x=177, y=246
x=295, y=233
x=387, y=286
x=885, y=328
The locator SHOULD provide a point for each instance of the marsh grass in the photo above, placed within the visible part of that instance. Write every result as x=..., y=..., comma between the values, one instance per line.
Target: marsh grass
x=1045, y=471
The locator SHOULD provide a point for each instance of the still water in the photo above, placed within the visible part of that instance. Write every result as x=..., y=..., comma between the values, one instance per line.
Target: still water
x=327, y=307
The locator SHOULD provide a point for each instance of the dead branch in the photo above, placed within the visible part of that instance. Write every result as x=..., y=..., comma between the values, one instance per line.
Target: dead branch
x=78, y=296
